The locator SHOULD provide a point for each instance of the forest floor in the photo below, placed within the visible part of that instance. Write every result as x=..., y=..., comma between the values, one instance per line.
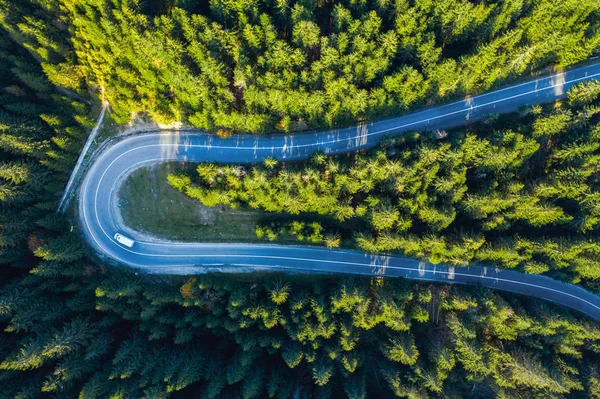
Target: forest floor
x=149, y=204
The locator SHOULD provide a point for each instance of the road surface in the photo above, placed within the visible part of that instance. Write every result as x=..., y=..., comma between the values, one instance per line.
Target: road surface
x=100, y=219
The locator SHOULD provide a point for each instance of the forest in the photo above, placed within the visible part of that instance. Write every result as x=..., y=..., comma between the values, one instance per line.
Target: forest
x=74, y=327
x=264, y=65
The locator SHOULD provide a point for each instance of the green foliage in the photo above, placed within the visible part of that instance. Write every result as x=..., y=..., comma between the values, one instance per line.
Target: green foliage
x=74, y=329
x=491, y=343
x=39, y=140
x=402, y=350
x=260, y=66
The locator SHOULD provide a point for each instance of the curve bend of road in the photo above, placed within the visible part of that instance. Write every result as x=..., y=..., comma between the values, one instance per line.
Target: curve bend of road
x=100, y=219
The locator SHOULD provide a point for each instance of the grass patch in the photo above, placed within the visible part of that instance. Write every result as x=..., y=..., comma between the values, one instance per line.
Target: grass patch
x=108, y=129
x=149, y=204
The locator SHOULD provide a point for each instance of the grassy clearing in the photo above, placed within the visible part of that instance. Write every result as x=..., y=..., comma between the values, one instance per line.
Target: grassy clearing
x=149, y=204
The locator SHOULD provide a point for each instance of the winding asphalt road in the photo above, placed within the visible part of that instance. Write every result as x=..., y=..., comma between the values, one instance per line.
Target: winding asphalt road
x=100, y=220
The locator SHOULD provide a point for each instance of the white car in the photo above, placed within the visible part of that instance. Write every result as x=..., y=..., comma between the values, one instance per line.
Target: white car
x=128, y=242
